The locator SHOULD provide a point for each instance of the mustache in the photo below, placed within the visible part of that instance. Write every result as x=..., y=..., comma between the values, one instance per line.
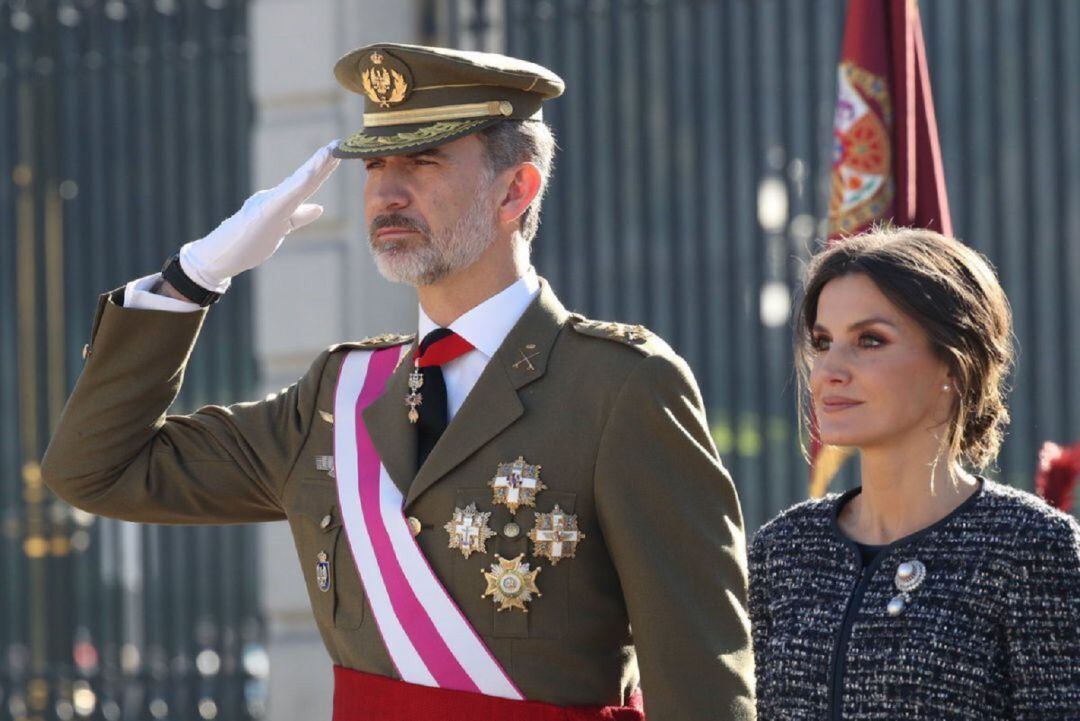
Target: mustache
x=397, y=220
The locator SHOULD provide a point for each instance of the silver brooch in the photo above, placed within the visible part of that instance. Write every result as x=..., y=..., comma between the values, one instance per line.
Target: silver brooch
x=909, y=576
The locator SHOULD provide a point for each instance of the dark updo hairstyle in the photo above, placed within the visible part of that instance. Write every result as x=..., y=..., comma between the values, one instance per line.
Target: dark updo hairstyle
x=951, y=291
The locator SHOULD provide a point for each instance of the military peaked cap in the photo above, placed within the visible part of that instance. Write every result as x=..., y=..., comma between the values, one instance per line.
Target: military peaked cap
x=417, y=97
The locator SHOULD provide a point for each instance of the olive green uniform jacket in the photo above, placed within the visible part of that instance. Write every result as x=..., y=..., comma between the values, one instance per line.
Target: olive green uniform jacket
x=615, y=420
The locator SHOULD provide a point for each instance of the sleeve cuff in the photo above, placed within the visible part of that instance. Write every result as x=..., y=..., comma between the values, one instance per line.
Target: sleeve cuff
x=137, y=294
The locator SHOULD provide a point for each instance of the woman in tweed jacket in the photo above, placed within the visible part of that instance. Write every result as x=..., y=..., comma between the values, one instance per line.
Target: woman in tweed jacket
x=928, y=593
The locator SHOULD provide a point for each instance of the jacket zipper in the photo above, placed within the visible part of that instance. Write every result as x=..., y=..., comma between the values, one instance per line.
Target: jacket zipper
x=838, y=667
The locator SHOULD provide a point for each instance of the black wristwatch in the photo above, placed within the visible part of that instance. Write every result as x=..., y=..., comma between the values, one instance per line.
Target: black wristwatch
x=175, y=275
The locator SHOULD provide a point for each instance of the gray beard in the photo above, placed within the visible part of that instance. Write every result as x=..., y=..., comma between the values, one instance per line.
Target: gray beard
x=444, y=253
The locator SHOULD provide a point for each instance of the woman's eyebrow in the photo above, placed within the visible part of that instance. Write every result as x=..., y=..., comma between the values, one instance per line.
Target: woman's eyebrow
x=871, y=321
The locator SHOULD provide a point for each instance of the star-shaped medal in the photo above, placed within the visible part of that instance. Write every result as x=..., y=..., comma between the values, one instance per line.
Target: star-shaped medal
x=555, y=535
x=469, y=530
x=510, y=583
x=516, y=484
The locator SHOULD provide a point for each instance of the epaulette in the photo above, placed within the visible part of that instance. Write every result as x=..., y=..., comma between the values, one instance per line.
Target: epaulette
x=385, y=340
x=636, y=336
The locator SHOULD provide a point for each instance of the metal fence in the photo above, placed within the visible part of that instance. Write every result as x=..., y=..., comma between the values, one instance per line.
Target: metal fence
x=124, y=131
x=692, y=181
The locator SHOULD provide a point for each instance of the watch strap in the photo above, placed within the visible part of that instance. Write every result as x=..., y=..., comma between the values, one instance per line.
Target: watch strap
x=175, y=275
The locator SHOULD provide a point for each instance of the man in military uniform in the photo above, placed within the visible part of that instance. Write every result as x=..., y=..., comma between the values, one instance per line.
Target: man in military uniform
x=522, y=515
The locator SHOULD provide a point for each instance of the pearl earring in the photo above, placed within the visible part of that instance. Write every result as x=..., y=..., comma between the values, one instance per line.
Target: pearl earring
x=945, y=387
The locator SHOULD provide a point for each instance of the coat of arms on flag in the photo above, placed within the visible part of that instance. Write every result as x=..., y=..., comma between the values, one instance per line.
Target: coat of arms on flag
x=862, y=184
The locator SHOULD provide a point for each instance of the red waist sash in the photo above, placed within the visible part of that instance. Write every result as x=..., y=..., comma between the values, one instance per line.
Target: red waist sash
x=366, y=697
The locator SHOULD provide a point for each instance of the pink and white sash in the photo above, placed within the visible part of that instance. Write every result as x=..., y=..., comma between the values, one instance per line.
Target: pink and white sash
x=427, y=636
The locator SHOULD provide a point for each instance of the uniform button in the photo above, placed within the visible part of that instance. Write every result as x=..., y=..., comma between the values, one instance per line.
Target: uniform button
x=325, y=522
x=511, y=530
x=414, y=525
x=86, y=351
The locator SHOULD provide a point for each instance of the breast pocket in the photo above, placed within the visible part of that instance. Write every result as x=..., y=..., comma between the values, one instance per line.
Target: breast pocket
x=337, y=595
x=548, y=612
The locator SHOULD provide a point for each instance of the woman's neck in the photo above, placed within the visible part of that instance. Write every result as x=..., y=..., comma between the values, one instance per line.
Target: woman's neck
x=903, y=491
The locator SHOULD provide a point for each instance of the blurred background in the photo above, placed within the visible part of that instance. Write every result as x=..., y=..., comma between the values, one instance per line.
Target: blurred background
x=690, y=188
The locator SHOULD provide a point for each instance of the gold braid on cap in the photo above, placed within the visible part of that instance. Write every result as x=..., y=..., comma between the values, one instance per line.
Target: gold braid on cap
x=492, y=108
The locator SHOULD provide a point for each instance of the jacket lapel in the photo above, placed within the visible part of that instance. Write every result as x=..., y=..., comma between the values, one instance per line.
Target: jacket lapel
x=493, y=403
x=388, y=425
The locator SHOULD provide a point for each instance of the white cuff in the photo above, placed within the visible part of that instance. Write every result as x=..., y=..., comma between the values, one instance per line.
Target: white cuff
x=137, y=294
x=192, y=270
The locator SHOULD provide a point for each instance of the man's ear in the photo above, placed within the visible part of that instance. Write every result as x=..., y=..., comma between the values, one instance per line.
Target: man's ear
x=523, y=187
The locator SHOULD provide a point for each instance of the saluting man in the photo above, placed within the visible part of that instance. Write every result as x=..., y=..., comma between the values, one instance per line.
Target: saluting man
x=520, y=516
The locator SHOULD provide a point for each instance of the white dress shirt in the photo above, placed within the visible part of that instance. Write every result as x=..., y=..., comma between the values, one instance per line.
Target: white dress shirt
x=485, y=326
x=137, y=294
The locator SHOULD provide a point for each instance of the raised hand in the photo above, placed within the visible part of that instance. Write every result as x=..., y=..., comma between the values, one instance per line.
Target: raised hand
x=251, y=235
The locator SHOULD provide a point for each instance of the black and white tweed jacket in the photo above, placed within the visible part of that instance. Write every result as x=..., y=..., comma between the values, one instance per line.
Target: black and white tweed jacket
x=992, y=632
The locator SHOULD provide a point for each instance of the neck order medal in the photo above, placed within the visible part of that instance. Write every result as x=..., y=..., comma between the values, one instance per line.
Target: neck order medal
x=414, y=399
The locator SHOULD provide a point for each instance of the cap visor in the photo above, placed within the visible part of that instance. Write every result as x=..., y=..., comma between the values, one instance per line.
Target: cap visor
x=407, y=139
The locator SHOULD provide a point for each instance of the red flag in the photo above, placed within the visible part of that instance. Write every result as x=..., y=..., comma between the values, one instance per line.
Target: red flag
x=886, y=156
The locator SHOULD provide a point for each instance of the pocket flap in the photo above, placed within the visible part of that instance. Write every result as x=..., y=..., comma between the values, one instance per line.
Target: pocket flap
x=319, y=503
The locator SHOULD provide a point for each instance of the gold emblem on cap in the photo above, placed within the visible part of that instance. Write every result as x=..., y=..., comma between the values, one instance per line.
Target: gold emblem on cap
x=383, y=84
x=510, y=583
x=555, y=535
x=516, y=484
x=469, y=530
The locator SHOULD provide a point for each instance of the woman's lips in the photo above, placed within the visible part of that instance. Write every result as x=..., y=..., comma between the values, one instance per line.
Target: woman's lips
x=835, y=405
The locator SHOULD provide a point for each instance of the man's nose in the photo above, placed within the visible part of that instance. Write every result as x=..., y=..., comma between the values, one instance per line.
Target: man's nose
x=387, y=193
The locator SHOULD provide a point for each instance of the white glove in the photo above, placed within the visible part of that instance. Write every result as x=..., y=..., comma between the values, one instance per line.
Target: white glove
x=250, y=236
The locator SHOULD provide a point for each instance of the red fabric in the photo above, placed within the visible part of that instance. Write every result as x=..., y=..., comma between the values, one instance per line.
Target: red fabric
x=921, y=198
x=443, y=351
x=1059, y=471
x=366, y=697
x=885, y=38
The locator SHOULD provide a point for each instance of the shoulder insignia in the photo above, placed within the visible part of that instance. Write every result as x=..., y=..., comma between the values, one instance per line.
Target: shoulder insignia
x=634, y=335
x=385, y=340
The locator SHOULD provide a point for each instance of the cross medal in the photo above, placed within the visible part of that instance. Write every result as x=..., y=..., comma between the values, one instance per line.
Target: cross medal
x=516, y=484
x=414, y=399
x=555, y=535
x=469, y=530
